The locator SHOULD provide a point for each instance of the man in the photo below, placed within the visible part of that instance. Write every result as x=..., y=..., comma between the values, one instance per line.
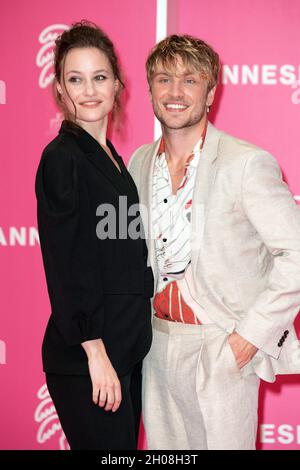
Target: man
x=224, y=245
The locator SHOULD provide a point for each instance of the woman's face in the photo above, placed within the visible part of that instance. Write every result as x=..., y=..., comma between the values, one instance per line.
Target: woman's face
x=90, y=83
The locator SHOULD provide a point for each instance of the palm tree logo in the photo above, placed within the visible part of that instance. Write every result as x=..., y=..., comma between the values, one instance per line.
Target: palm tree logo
x=46, y=417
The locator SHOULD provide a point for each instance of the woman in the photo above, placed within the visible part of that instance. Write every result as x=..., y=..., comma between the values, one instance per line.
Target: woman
x=98, y=281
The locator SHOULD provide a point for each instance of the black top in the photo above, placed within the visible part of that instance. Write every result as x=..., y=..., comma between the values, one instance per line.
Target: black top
x=98, y=288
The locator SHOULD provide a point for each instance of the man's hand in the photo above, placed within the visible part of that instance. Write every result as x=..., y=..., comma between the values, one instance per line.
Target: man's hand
x=242, y=349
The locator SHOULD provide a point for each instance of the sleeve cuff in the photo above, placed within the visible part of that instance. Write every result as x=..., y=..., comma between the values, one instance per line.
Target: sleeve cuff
x=82, y=329
x=261, y=334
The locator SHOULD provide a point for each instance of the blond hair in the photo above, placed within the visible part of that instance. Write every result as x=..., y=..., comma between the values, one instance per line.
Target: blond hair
x=194, y=53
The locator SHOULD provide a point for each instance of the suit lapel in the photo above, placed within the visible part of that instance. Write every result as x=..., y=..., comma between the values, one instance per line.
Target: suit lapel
x=204, y=181
x=96, y=154
x=146, y=194
x=103, y=163
x=205, y=177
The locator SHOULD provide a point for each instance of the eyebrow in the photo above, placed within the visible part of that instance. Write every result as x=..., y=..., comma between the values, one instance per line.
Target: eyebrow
x=96, y=71
x=170, y=74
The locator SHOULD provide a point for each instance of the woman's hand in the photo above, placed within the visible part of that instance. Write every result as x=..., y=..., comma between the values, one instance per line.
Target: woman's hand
x=106, y=385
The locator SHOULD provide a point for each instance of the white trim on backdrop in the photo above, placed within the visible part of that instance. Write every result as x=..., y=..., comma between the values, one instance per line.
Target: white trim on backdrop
x=161, y=33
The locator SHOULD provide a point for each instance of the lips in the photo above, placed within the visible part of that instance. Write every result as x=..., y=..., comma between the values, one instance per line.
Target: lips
x=176, y=107
x=90, y=104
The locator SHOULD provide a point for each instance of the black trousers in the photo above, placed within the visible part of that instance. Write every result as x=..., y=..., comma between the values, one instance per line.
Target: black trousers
x=86, y=425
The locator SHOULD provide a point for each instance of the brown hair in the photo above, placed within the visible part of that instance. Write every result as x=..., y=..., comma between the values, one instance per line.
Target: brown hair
x=194, y=53
x=85, y=34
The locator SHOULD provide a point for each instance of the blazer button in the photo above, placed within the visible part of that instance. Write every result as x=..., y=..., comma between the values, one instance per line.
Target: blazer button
x=286, y=333
x=279, y=344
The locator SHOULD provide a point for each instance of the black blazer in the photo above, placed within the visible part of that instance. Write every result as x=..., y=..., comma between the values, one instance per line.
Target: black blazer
x=98, y=288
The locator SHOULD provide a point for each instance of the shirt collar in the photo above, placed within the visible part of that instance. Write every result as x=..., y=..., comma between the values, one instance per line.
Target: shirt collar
x=192, y=159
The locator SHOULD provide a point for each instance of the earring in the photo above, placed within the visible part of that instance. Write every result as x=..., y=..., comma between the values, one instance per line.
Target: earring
x=207, y=109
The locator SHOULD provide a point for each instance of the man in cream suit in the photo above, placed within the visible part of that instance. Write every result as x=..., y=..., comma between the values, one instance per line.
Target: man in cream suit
x=224, y=243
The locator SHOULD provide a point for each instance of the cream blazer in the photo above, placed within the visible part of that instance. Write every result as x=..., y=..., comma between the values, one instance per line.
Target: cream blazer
x=245, y=255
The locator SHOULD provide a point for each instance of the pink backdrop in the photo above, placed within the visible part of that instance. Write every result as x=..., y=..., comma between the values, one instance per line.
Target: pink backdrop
x=267, y=113
x=253, y=38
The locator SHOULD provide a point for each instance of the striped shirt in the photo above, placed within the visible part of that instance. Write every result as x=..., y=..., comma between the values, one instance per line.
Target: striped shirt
x=172, y=233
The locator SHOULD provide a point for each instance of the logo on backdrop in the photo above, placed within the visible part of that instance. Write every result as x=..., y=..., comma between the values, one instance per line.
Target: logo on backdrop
x=283, y=434
x=2, y=92
x=55, y=123
x=296, y=93
x=45, y=56
x=2, y=352
x=265, y=74
x=22, y=236
x=46, y=417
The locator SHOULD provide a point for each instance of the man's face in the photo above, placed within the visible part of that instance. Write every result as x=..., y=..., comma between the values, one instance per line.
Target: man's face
x=180, y=97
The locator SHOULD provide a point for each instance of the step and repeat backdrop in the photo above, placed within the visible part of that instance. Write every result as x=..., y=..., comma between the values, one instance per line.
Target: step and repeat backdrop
x=258, y=100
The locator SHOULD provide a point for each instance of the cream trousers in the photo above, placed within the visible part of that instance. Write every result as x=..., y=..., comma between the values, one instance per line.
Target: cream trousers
x=194, y=395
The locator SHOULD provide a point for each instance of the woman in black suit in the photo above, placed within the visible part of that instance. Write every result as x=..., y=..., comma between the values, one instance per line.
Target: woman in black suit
x=97, y=276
